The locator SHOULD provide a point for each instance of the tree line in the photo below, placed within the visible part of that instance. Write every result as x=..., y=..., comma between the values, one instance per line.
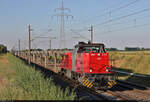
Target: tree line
x=129, y=49
x=3, y=49
x=107, y=49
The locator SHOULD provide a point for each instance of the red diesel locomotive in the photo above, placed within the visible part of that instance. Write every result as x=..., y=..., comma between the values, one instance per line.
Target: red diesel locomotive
x=89, y=65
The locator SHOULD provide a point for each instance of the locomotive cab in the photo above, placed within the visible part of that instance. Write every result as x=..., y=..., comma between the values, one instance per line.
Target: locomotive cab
x=91, y=58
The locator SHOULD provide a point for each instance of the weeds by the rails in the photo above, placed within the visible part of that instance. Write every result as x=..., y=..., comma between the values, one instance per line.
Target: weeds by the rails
x=30, y=84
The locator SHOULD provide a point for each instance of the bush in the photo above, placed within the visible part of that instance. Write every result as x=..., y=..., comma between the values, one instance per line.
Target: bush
x=3, y=49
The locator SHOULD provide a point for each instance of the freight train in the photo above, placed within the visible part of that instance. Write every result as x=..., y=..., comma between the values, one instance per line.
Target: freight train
x=89, y=65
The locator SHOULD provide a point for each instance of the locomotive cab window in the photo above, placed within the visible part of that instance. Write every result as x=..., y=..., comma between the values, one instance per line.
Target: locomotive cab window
x=94, y=49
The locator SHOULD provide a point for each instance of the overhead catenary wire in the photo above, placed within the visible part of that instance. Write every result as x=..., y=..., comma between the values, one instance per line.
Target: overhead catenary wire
x=112, y=11
x=124, y=6
x=119, y=8
x=129, y=21
x=81, y=36
x=124, y=16
x=110, y=14
x=125, y=28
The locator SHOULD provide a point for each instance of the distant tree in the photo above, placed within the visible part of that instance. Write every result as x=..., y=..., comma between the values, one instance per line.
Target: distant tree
x=132, y=49
x=3, y=49
x=37, y=49
x=49, y=49
x=111, y=49
x=145, y=49
x=34, y=49
x=142, y=48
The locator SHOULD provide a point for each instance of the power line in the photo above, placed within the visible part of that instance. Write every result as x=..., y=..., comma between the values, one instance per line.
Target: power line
x=119, y=8
x=81, y=36
x=126, y=28
x=124, y=6
x=129, y=21
x=114, y=10
x=125, y=16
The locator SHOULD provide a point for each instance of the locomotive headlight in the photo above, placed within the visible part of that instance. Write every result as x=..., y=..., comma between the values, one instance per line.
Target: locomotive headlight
x=90, y=69
x=98, y=54
x=107, y=69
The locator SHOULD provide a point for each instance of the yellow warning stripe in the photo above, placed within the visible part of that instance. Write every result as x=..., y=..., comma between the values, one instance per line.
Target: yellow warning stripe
x=115, y=82
x=91, y=83
x=85, y=81
x=109, y=86
x=109, y=83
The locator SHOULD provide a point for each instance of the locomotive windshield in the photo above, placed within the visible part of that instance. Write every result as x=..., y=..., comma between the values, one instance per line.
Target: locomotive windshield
x=94, y=49
x=83, y=47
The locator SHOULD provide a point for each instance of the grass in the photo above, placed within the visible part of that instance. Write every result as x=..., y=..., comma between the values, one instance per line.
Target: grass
x=136, y=61
x=26, y=83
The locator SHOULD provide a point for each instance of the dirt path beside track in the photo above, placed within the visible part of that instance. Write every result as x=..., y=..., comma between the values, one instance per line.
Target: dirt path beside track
x=7, y=74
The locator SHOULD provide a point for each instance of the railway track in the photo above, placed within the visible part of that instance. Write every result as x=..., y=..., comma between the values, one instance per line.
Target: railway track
x=135, y=87
x=97, y=94
x=114, y=93
x=86, y=93
x=130, y=91
x=91, y=92
x=79, y=86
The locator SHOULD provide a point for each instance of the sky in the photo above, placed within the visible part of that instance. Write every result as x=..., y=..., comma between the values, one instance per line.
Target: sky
x=116, y=23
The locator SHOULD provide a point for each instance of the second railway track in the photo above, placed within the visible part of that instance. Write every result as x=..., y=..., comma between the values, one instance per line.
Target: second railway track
x=130, y=91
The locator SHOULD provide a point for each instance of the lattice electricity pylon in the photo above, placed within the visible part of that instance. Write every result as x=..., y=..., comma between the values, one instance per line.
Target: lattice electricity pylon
x=62, y=43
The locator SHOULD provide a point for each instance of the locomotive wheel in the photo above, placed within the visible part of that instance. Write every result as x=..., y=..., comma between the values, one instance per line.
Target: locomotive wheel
x=74, y=76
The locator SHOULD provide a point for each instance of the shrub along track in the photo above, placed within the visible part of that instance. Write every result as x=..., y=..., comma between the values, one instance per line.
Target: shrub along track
x=22, y=82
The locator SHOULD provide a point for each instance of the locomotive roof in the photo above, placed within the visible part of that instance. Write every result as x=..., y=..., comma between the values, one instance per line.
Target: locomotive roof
x=93, y=44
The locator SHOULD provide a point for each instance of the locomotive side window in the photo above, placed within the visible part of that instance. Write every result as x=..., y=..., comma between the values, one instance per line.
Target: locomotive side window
x=102, y=50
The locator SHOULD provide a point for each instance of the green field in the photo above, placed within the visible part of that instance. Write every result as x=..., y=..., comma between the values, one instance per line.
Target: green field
x=133, y=61
x=137, y=61
x=21, y=82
